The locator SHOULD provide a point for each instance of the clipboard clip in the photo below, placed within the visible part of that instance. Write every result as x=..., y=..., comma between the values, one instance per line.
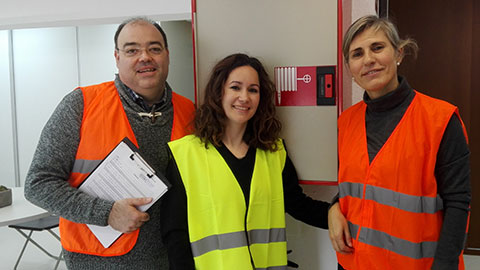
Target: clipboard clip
x=144, y=163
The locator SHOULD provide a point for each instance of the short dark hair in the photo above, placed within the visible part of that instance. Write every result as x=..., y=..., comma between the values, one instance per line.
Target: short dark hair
x=139, y=19
x=210, y=120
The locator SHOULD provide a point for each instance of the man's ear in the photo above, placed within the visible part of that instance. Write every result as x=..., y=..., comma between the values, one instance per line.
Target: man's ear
x=117, y=57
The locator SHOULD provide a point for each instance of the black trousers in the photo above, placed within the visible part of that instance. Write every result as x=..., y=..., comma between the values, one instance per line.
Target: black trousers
x=340, y=267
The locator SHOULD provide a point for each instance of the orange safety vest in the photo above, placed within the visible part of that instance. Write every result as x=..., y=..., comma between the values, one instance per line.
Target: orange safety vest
x=392, y=205
x=104, y=125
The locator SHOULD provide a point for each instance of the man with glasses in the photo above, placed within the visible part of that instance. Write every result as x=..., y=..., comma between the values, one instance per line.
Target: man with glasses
x=85, y=127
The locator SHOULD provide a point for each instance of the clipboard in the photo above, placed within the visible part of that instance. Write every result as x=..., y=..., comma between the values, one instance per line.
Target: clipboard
x=122, y=174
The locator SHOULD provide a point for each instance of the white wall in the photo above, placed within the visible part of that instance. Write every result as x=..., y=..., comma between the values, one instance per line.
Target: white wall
x=29, y=13
x=180, y=74
x=95, y=51
x=6, y=146
x=45, y=68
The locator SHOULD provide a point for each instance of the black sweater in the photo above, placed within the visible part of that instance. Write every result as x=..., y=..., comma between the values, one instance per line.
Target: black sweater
x=174, y=205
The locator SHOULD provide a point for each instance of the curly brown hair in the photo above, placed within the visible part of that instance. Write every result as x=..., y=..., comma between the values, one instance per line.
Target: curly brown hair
x=210, y=120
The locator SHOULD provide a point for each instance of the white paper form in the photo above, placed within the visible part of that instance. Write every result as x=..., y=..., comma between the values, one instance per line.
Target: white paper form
x=122, y=174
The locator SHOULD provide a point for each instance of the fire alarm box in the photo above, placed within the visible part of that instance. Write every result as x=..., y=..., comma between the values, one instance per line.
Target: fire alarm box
x=305, y=86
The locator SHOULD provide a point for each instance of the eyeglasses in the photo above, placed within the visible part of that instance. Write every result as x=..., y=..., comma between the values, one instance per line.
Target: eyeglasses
x=137, y=51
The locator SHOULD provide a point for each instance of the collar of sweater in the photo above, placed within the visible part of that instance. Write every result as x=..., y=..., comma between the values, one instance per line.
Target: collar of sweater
x=391, y=100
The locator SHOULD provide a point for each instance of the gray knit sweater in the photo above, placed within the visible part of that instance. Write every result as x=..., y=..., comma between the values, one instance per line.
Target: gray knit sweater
x=46, y=183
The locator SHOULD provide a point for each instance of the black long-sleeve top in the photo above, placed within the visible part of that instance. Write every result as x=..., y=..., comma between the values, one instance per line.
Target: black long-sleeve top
x=174, y=204
x=452, y=169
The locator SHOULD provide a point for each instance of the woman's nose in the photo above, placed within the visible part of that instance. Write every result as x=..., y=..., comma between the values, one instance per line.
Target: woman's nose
x=368, y=58
x=243, y=95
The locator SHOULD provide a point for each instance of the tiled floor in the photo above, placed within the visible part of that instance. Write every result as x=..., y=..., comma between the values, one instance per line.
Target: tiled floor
x=11, y=243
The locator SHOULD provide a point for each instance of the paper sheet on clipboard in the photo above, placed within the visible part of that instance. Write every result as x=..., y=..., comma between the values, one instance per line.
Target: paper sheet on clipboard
x=122, y=174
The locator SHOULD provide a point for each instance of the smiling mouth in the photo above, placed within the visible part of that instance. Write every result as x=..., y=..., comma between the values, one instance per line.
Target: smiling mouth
x=147, y=70
x=241, y=108
x=371, y=72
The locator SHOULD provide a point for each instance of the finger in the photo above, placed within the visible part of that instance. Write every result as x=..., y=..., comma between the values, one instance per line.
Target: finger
x=130, y=229
x=340, y=245
x=344, y=248
x=139, y=224
x=145, y=217
x=334, y=245
x=140, y=201
x=348, y=238
x=333, y=240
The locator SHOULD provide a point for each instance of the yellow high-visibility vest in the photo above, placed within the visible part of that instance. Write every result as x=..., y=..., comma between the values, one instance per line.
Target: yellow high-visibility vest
x=224, y=234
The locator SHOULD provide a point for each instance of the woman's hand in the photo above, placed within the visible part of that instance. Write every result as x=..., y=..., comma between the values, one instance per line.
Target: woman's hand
x=338, y=230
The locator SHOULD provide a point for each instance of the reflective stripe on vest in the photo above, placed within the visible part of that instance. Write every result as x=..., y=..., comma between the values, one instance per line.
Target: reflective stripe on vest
x=392, y=206
x=237, y=239
x=406, y=248
x=85, y=165
x=223, y=234
x=102, y=105
x=410, y=203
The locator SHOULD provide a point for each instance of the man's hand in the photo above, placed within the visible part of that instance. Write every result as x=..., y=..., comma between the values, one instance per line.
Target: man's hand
x=338, y=230
x=125, y=217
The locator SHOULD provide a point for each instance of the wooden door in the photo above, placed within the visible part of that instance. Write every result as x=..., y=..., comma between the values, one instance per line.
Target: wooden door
x=448, y=34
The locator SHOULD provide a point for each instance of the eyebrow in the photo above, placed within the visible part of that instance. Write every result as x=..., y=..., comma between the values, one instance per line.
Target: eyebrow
x=253, y=84
x=375, y=43
x=130, y=44
x=138, y=44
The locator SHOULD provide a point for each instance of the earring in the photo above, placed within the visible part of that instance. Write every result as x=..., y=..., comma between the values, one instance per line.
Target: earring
x=398, y=63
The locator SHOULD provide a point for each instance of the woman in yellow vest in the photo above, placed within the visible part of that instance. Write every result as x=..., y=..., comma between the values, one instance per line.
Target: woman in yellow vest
x=232, y=181
x=404, y=177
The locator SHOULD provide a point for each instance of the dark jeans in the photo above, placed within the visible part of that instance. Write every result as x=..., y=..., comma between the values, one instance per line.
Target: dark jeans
x=340, y=267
